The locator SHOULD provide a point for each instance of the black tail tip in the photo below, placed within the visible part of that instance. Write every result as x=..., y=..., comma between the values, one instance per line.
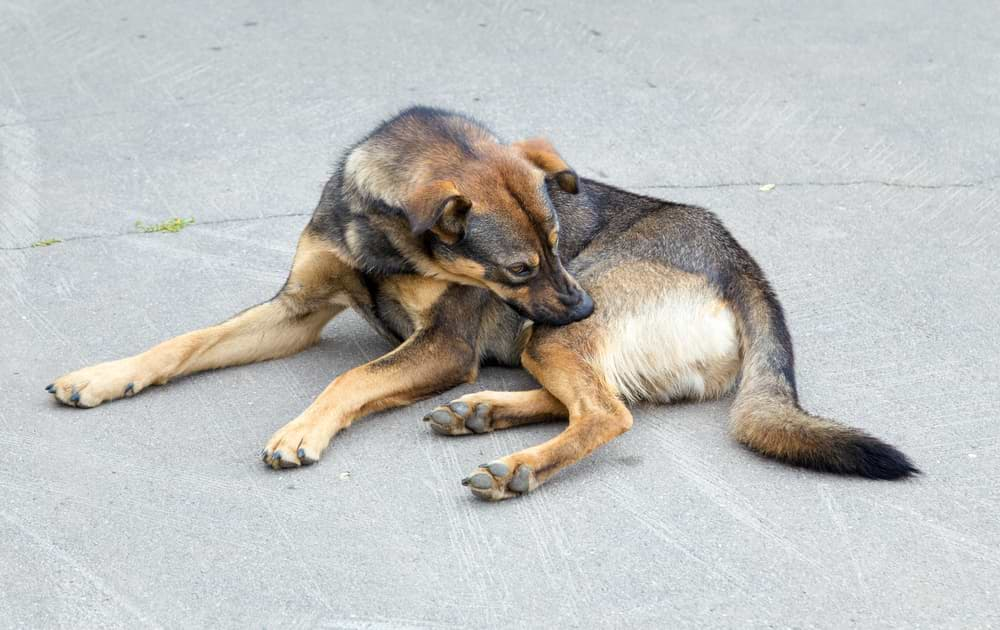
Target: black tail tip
x=873, y=458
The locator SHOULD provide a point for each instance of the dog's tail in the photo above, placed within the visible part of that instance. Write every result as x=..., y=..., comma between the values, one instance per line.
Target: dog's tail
x=766, y=415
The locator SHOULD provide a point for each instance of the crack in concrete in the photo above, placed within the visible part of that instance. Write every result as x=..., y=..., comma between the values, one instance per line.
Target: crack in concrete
x=819, y=184
x=799, y=184
x=92, y=237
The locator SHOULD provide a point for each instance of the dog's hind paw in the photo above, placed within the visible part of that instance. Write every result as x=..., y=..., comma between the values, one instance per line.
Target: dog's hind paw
x=501, y=480
x=459, y=418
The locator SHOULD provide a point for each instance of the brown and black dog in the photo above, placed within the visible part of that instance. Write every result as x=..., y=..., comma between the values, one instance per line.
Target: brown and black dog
x=453, y=244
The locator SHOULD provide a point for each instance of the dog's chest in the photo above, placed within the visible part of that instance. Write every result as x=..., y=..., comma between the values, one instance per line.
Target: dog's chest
x=399, y=305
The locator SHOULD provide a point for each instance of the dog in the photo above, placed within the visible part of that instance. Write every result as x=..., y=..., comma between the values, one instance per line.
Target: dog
x=463, y=251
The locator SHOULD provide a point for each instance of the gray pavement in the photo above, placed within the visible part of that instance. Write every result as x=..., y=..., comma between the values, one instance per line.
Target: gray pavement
x=878, y=124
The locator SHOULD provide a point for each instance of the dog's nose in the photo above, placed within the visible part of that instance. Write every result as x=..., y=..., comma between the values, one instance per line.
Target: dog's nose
x=583, y=309
x=571, y=299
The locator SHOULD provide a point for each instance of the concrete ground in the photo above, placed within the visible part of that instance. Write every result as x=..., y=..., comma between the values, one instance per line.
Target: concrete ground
x=878, y=125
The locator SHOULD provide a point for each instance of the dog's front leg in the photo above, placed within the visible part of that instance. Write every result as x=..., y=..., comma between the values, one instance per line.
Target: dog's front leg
x=432, y=360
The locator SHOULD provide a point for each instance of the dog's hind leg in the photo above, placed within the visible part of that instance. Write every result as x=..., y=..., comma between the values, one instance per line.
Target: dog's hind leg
x=288, y=323
x=483, y=412
x=556, y=358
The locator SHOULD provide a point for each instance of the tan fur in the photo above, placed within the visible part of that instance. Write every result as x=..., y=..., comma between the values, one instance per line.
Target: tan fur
x=516, y=408
x=540, y=152
x=784, y=431
x=657, y=334
x=504, y=410
x=375, y=168
x=469, y=271
x=289, y=323
x=671, y=336
x=437, y=206
x=596, y=415
x=421, y=366
x=417, y=294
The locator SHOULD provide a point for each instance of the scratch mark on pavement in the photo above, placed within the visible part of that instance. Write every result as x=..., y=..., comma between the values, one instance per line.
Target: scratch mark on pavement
x=57, y=554
x=848, y=541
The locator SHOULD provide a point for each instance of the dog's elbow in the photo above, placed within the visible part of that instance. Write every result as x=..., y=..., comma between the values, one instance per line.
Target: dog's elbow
x=447, y=359
x=465, y=362
x=457, y=360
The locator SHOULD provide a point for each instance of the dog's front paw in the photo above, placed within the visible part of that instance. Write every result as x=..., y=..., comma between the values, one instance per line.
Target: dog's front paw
x=502, y=479
x=93, y=385
x=299, y=443
x=460, y=418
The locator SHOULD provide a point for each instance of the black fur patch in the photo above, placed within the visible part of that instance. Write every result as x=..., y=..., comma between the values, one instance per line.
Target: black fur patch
x=858, y=454
x=870, y=457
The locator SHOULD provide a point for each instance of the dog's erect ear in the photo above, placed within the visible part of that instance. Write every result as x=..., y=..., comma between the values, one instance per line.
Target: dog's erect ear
x=438, y=207
x=542, y=154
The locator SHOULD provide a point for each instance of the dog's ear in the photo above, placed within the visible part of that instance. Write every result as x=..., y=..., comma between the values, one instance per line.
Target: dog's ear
x=438, y=207
x=542, y=154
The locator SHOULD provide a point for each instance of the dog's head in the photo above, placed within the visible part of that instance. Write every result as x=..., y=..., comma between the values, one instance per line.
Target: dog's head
x=490, y=222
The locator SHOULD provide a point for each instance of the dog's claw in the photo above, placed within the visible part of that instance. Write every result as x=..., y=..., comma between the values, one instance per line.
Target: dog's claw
x=298, y=443
x=91, y=386
x=304, y=458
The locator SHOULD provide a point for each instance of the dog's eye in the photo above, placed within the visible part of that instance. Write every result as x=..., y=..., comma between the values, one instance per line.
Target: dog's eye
x=520, y=270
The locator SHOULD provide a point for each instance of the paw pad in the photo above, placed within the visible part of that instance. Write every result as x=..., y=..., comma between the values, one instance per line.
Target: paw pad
x=497, y=469
x=494, y=482
x=479, y=422
x=521, y=481
x=482, y=481
x=457, y=418
x=440, y=417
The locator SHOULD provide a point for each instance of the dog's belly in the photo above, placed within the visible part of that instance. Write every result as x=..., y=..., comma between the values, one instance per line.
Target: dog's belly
x=668, y=337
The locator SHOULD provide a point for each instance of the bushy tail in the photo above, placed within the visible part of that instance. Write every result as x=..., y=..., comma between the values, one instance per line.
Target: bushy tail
x=766, y=415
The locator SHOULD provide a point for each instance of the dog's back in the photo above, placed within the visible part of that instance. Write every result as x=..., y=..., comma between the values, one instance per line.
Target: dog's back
x=717, y=310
